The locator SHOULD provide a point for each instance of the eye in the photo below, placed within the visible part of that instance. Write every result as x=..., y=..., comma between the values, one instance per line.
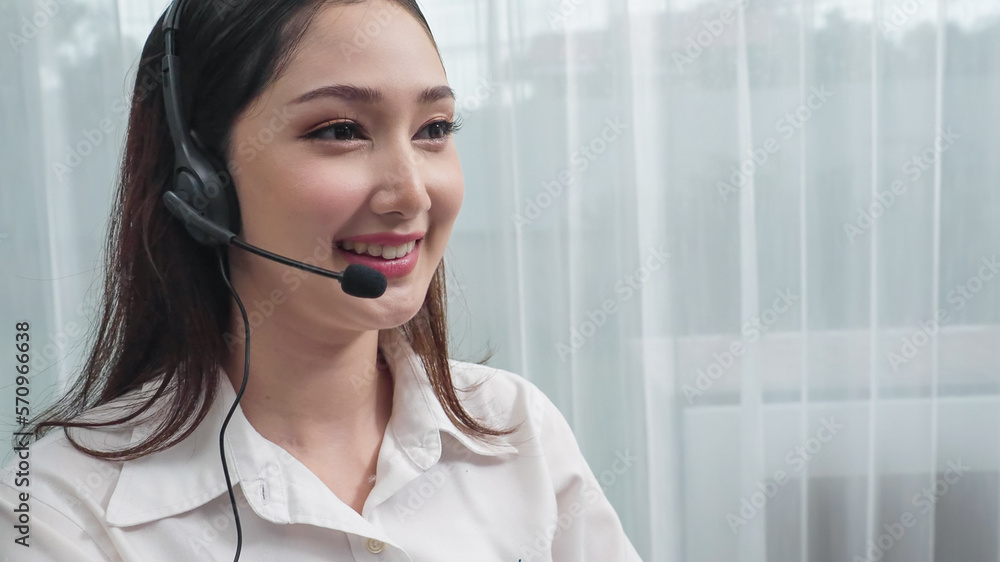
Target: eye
x=339, y=131
x=441, y=129
x=346, y=131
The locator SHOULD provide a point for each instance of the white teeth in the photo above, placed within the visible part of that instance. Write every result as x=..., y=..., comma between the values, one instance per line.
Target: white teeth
x=374, y=250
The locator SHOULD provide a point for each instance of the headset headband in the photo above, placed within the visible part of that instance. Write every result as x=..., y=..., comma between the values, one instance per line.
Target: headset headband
x=199, y=180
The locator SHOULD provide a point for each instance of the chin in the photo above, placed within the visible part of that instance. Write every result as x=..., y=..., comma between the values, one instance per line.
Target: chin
x=397, y=314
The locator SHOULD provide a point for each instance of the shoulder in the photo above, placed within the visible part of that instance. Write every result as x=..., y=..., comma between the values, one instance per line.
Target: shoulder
x=68, y=484
x=506, y=399
x=588, y=528
x=472, y=376
x=64, y=493
x=58, y=473
x=498, y=394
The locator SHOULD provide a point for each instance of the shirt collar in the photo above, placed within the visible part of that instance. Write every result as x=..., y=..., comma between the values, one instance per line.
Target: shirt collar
x=189, y=474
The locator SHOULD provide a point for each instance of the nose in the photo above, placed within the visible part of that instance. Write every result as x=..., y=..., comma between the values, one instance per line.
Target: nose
x=401, y=189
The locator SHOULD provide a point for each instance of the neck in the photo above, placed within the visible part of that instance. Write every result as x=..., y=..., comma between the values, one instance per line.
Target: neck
x=309, y=390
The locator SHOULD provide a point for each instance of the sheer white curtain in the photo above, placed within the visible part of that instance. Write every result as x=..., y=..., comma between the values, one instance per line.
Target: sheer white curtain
x=749, y=249
x=820, y=346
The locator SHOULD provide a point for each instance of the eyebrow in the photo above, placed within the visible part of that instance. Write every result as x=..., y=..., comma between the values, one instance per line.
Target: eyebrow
x=369, y=95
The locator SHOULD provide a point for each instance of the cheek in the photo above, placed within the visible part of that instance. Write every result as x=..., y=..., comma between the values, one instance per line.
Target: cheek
x=449, y=203
x=448, y=196
x=326, y=201
x=317, y=193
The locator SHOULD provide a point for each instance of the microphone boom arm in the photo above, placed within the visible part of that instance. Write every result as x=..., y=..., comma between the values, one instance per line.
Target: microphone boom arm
x=357, y=280
x=280, y=259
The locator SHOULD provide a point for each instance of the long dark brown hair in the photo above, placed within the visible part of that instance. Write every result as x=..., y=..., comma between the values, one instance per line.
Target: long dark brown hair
x=165, y=304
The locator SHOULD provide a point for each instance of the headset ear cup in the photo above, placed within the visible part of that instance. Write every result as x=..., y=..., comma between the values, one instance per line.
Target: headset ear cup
x=230, y=206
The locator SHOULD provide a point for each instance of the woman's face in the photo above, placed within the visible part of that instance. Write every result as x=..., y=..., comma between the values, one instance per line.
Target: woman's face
x=350, y=144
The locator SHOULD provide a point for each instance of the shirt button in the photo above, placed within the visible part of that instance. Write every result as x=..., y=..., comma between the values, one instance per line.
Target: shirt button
x=375, y=546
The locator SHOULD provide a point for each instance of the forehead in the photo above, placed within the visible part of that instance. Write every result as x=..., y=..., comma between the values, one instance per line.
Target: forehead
x=375, y=43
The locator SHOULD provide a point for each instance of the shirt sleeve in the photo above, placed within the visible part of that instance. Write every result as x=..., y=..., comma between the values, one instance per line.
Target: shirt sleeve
x=588, y=528
x=51, y=535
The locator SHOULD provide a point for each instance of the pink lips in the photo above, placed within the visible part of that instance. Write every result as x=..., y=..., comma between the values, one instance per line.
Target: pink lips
x=393, y=268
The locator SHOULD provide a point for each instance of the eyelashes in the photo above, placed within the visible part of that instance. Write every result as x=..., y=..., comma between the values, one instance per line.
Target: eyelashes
x=448, y=127
x=347, y=130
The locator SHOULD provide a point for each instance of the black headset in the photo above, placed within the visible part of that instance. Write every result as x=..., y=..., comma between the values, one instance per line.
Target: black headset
x=204, y=199
x=199, y=179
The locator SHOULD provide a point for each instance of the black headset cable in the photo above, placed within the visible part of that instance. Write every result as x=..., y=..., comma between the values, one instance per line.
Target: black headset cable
x=246, y=371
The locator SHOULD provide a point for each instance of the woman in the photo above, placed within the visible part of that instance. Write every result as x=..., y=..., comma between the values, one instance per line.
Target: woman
x=356, y=437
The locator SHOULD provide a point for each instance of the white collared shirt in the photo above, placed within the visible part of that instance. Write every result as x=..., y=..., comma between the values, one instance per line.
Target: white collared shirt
x=439, y=495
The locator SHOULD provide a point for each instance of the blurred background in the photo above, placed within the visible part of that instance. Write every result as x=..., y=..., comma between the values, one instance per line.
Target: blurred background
x=753, y=245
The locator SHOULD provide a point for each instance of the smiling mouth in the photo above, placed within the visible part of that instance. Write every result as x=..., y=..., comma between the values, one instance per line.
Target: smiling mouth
x=378, y=251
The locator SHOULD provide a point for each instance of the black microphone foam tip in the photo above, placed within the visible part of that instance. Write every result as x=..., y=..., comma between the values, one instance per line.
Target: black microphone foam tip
x=363, y=282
